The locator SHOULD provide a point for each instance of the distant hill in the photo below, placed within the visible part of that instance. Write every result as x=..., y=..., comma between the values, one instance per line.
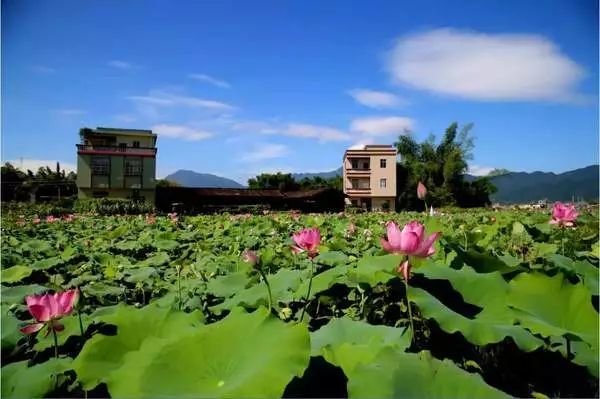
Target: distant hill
x=520, y=187
x=324, y=175
x=188, y=178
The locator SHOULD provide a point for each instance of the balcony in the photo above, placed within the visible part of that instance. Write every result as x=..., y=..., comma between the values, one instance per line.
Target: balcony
x=115, y=150
x=358, y=191
x=358, y=171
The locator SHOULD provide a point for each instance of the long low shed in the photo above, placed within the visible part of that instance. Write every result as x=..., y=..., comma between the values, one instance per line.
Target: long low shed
x=208, y=200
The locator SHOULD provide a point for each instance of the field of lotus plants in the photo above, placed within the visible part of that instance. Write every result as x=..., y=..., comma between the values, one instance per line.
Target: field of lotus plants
x=475, y=303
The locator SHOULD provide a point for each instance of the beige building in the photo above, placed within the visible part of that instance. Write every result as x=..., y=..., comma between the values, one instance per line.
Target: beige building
x=370, y=177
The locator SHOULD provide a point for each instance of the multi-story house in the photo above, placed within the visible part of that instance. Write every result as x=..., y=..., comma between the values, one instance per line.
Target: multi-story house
x=116, y=163
x=370, y=177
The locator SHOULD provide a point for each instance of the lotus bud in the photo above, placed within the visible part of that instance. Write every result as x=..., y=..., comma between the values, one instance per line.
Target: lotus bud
x=250, y=257
x=421, y=191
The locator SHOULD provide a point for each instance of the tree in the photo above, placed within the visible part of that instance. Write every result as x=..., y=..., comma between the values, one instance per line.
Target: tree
x=309, y=183
x=12, y=182
x=276, y=181
x=286, y=182
x=167, y=183
x=441, y=168
x=47, y=183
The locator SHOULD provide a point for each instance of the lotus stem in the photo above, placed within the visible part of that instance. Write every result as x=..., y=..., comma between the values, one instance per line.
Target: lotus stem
x=410, y=317
x=312, y=267
x=270, y=297
x=55, y=340
x=568, y=348
x=80, y=322
x=562, y=243
x=179, y=286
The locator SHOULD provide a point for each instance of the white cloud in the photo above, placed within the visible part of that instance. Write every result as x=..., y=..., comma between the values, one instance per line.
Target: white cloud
x=181, y=132
x=382, y=126
x=376, y=99
x=43, y=69
x=266, y=151
x=35, y=164
x=485, y=66
x=209, y=79
x=255, y=127
x=303, y=130
x=69, y=112
x=119, y=64
x=477, y=170
x=163, y=99
x=322, y=133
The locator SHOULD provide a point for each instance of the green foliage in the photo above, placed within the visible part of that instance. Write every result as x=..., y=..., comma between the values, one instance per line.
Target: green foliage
x=276, y=181
x=244, y=355
x=20, y=381
x=394, y=374
x=166, y=183
x=112, y=206
x=286, y=182
x=171, y=309
x=43, y=184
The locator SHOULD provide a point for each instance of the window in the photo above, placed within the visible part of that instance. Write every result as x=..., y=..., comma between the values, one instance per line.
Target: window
x=366, y=165
x=100, y=166
x=354, y=163
x=382, y=183
x=354, y=202
x=136, y=144
x=382, y=163
x=122, y=147
x=133, y=167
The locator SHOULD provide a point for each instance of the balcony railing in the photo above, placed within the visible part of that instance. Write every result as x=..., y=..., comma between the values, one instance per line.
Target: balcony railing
x=358, y=170
x=104, y=149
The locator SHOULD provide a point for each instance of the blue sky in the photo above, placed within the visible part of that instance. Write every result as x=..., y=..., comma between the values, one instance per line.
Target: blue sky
x=237, y=88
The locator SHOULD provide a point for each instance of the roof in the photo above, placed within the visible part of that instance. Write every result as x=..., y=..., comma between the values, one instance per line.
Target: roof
x=246, y=192
x=119, y=131
x=378, y=149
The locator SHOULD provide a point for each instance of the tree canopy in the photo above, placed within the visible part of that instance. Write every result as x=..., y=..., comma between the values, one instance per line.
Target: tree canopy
x=286, y=182
x=441, y=168
x=52, y=184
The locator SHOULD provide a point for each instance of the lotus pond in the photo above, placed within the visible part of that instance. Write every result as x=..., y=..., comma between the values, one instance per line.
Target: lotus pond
x=506, y=306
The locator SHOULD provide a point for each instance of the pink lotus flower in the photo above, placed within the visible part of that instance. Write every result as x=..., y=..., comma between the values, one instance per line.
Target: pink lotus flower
x=564, y=214
x=410, y=241
x=36, y=220
x=173, y=217
x=150, y=219
x=250, y=257
x=421, y=191
x=51, y=219
x=69, y=218
x=307, y=240
x=21, y=220
x=47, y=309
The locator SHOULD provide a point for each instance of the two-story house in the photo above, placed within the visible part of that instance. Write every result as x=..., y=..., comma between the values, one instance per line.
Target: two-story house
x=116, y=163
x=370, y=177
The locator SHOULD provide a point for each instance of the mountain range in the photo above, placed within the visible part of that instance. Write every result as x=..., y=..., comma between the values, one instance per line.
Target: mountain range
x=520, y=187
x=513, y=187
x=189, y=178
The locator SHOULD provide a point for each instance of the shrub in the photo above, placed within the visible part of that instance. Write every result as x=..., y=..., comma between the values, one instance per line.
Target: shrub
x=112, y=206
